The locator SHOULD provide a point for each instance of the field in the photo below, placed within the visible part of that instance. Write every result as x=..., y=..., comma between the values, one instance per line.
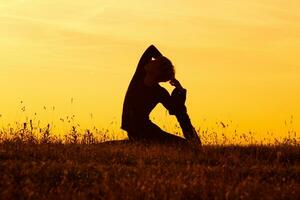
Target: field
x=36, y=165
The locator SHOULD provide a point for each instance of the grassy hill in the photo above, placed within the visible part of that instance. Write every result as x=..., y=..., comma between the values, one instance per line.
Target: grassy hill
x=122, y=170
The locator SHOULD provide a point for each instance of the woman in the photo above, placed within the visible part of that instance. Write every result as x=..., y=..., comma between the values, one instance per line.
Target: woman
x=144, y=93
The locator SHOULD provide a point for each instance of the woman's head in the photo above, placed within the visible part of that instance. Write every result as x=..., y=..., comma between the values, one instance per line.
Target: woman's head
x=160, y=69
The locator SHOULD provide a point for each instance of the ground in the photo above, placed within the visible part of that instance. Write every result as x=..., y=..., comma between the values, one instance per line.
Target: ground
x=135, y=171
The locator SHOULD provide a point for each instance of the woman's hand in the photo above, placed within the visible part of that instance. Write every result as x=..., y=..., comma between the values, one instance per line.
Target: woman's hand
x=174, y=82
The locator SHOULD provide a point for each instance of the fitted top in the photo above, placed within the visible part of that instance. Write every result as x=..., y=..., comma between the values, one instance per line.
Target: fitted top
x=140, y=101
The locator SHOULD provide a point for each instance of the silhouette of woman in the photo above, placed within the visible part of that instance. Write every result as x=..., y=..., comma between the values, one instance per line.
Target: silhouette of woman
x=144, y=93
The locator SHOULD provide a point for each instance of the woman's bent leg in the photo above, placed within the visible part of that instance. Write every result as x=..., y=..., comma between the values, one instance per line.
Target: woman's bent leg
x=154, y=134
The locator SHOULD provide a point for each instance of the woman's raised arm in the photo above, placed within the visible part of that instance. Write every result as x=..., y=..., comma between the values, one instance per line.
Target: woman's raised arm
x=150, y=52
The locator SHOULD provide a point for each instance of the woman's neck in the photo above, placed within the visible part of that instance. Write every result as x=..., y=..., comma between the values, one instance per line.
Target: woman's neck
x=149, y=82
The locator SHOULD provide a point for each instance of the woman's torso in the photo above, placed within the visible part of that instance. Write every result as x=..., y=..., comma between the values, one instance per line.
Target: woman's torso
x=139, y=101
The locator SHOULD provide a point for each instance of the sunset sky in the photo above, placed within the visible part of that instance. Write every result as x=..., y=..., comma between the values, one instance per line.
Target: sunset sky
x=238, y=60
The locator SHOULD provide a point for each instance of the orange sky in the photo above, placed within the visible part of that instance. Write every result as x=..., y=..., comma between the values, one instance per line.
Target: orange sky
x=239, y=60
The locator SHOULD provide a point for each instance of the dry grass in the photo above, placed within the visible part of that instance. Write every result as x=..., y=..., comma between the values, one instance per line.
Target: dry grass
x=80, y=167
